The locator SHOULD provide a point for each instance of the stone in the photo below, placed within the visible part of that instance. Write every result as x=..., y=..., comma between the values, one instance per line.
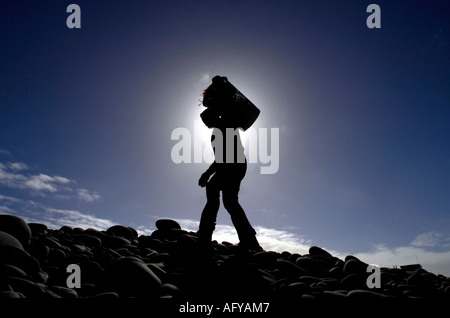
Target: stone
x=11, y=270
x=106, y=295
x=56, y=256
x=16, y=227
x=89, y=240
x=355, y=266
x=354, y=281
x=315, y=250
x=66, y=229
x=312, y=265
x=290, y=269
x=115, y=242
x=131, y=278
x=25, y=286
x=265, y=258
x=297, y=288
x=329, y=294
x=120, y=230
x=169, y=290
x=9, y=294
x=363, y=294
x=19, y=258
x=349, y=257
x=64, y=292
x=336, y=272
x=7, y=239
x=169, y=234
x=309, y=279
x=167, y=224
x=420, y=279
x=90, y=270
x=38, y=229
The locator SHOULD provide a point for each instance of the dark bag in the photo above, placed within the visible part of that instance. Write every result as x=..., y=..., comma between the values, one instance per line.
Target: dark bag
x=223, y=99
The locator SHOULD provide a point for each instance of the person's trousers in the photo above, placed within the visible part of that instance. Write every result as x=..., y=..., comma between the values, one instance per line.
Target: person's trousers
x=227, y=179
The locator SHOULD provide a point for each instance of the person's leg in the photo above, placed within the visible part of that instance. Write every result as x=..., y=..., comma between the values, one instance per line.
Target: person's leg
x=209, y=214
x=230, y=192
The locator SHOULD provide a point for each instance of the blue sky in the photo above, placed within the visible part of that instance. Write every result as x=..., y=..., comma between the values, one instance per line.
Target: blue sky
x=86, y=117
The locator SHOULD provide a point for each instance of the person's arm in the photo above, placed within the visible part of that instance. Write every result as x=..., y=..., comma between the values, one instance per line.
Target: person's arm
x=208, y=173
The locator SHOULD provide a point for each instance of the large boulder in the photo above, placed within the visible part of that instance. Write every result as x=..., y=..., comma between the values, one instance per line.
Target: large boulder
x=167, y=224
x=7, y=239
x=17, y=227
x=132, y=278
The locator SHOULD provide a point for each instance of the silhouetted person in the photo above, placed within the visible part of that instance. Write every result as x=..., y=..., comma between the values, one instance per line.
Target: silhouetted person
x=227, y=171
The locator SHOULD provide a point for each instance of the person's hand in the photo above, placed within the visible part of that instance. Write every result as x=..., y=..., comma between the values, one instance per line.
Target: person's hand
x=203, y=181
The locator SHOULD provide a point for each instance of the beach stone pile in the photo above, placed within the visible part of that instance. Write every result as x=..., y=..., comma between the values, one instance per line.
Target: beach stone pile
x=168, y=264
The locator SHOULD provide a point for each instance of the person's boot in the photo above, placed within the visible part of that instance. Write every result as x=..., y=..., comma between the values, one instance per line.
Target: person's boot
x=204, y=243
x=250, y=244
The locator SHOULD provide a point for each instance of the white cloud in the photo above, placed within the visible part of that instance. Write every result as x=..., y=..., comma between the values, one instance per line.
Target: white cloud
x=283, y=240
x=17, y=166
x=74, y=218
x=430, y=239
x=269, y=239
x=435, y=262
x=61, y=180
x=42, y=184
x=85, y=195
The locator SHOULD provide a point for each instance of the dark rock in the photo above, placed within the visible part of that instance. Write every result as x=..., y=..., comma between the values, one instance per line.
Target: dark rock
x=297, y=288
x=37, y=229
x=329, y=294
x=355, y=266
x=336, y=272
x=53, y=243
x=290, y=269
x=157, y=270
x=265, y=258
x=354, y=281
x=64, y=292
x=77, y=230
x=309, y=279
x=19, y=258
x=132, y=278
x=420, y=279
x=120, y=230
x=363, y=294
x=167, y=224
x=90, y=270
x=7, y=239
x=26, y=287
x=66, y=229
x=116, y=242
x=56, y=256
x=9, y=294
x=106, y=295
x=17, y=227
x=11, y=270
x=169, y=290
x=89, y=240
x=328, y=284
x=313, y=264
x=314, y=250
x=150, y=242
x=41, y=277
x=169, y=234
x=349, y=257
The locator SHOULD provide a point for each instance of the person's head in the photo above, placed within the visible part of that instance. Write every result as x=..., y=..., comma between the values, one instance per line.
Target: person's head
x=218, y=93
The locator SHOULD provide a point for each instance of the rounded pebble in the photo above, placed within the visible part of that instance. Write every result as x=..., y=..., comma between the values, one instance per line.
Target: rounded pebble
x=167, y=224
